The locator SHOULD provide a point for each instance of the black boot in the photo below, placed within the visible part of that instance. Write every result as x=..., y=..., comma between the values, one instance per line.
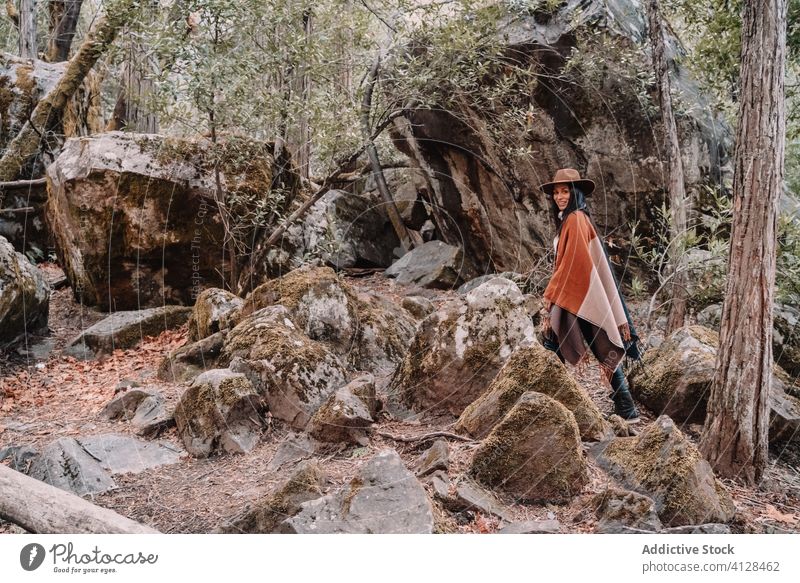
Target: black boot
x=623, y=400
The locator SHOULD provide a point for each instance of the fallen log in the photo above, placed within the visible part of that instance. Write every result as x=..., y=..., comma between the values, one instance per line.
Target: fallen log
x=44, y=509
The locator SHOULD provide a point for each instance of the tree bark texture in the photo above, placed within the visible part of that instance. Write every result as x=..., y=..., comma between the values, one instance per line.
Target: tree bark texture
x=677, y=191
x=735, y=435
x=64, y=16
x=27, y=29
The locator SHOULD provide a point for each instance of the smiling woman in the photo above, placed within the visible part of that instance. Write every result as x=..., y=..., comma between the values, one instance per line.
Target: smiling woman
x=582, y=299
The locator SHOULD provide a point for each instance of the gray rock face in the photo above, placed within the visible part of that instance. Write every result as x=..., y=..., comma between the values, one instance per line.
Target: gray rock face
x=20, y=457
x=434, y=264
x=620, y=511
x=532, y=368
x=294, y=448
x=347, y=230
x=437, y=457
x=134, y=218
x=472, y=497
x=127, y=329
x=124, y=405
x=385, y=332
x=220, y=411
x=212, y=312
x=121, y=454
x=85, y=465
x=667, y=467
x=478, y=281
x=152, y=416
x=384, y=497
x=343, y=418
x=304, y=483
x=459, y=349
x=471, y=182
x=294, y=373
x=534, y=452
x=24, y=295
x=408, y=187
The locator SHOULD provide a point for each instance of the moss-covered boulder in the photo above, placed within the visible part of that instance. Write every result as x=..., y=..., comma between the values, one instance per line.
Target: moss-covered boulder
x=24, y=294
x=127, y=329
x=212, y=312
x=384, y=334
x=294, y=373
x=220, y=411
x=532, y=368
x=458, y=350
x=186, y=362
x=134, y=216
x=320, y=303
x=664, y=465
x=676, y=378
x=305, y=483
x=345, y=417
x=366, y=330
x=676, y=381
x=534, y=453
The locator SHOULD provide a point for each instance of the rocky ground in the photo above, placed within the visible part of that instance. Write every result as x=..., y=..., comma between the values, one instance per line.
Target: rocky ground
x=45, y=394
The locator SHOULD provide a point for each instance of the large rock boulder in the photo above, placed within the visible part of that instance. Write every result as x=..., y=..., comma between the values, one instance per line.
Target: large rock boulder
x=213, y=311
x=482, y=179
x=664, y=465
x=383, y=498
x=534, y=453
x=676, y=381
x=366, y=330
x=134, y=216
x=127, y=329
x=532, y=368
x=459, y=349
x=434, y=264
x=24, y=294
x=294, y=373
x=319, y=302
x=347, y=230
x=220, y=411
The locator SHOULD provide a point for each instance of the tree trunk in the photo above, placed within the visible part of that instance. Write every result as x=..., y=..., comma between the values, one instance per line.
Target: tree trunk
x=678, y=201
x=735, y=435
x=130, y=112
x=41, y=508
x=48, y=109
x=407, y=241
x=27, y=29
x=64, y=16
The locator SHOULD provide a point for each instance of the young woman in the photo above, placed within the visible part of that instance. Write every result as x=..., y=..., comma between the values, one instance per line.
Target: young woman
x=583, y=300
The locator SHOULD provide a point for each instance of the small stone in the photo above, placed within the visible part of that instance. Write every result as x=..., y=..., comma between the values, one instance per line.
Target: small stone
x=152, y=416
x=436, y=457
x=470, y=496
x=124, y=405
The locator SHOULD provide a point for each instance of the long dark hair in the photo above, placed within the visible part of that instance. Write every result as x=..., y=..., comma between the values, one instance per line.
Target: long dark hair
x=577, y=201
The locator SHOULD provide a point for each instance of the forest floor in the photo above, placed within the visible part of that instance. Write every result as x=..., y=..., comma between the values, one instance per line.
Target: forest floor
x=45, y=395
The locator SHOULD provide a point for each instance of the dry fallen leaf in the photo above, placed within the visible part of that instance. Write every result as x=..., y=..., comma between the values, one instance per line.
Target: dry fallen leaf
x=774, y=514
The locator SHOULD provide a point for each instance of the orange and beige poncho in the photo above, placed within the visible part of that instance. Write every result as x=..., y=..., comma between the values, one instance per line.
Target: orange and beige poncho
x=582, y=286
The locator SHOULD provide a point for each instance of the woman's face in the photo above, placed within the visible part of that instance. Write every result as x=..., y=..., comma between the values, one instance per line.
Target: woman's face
x=561, y=195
